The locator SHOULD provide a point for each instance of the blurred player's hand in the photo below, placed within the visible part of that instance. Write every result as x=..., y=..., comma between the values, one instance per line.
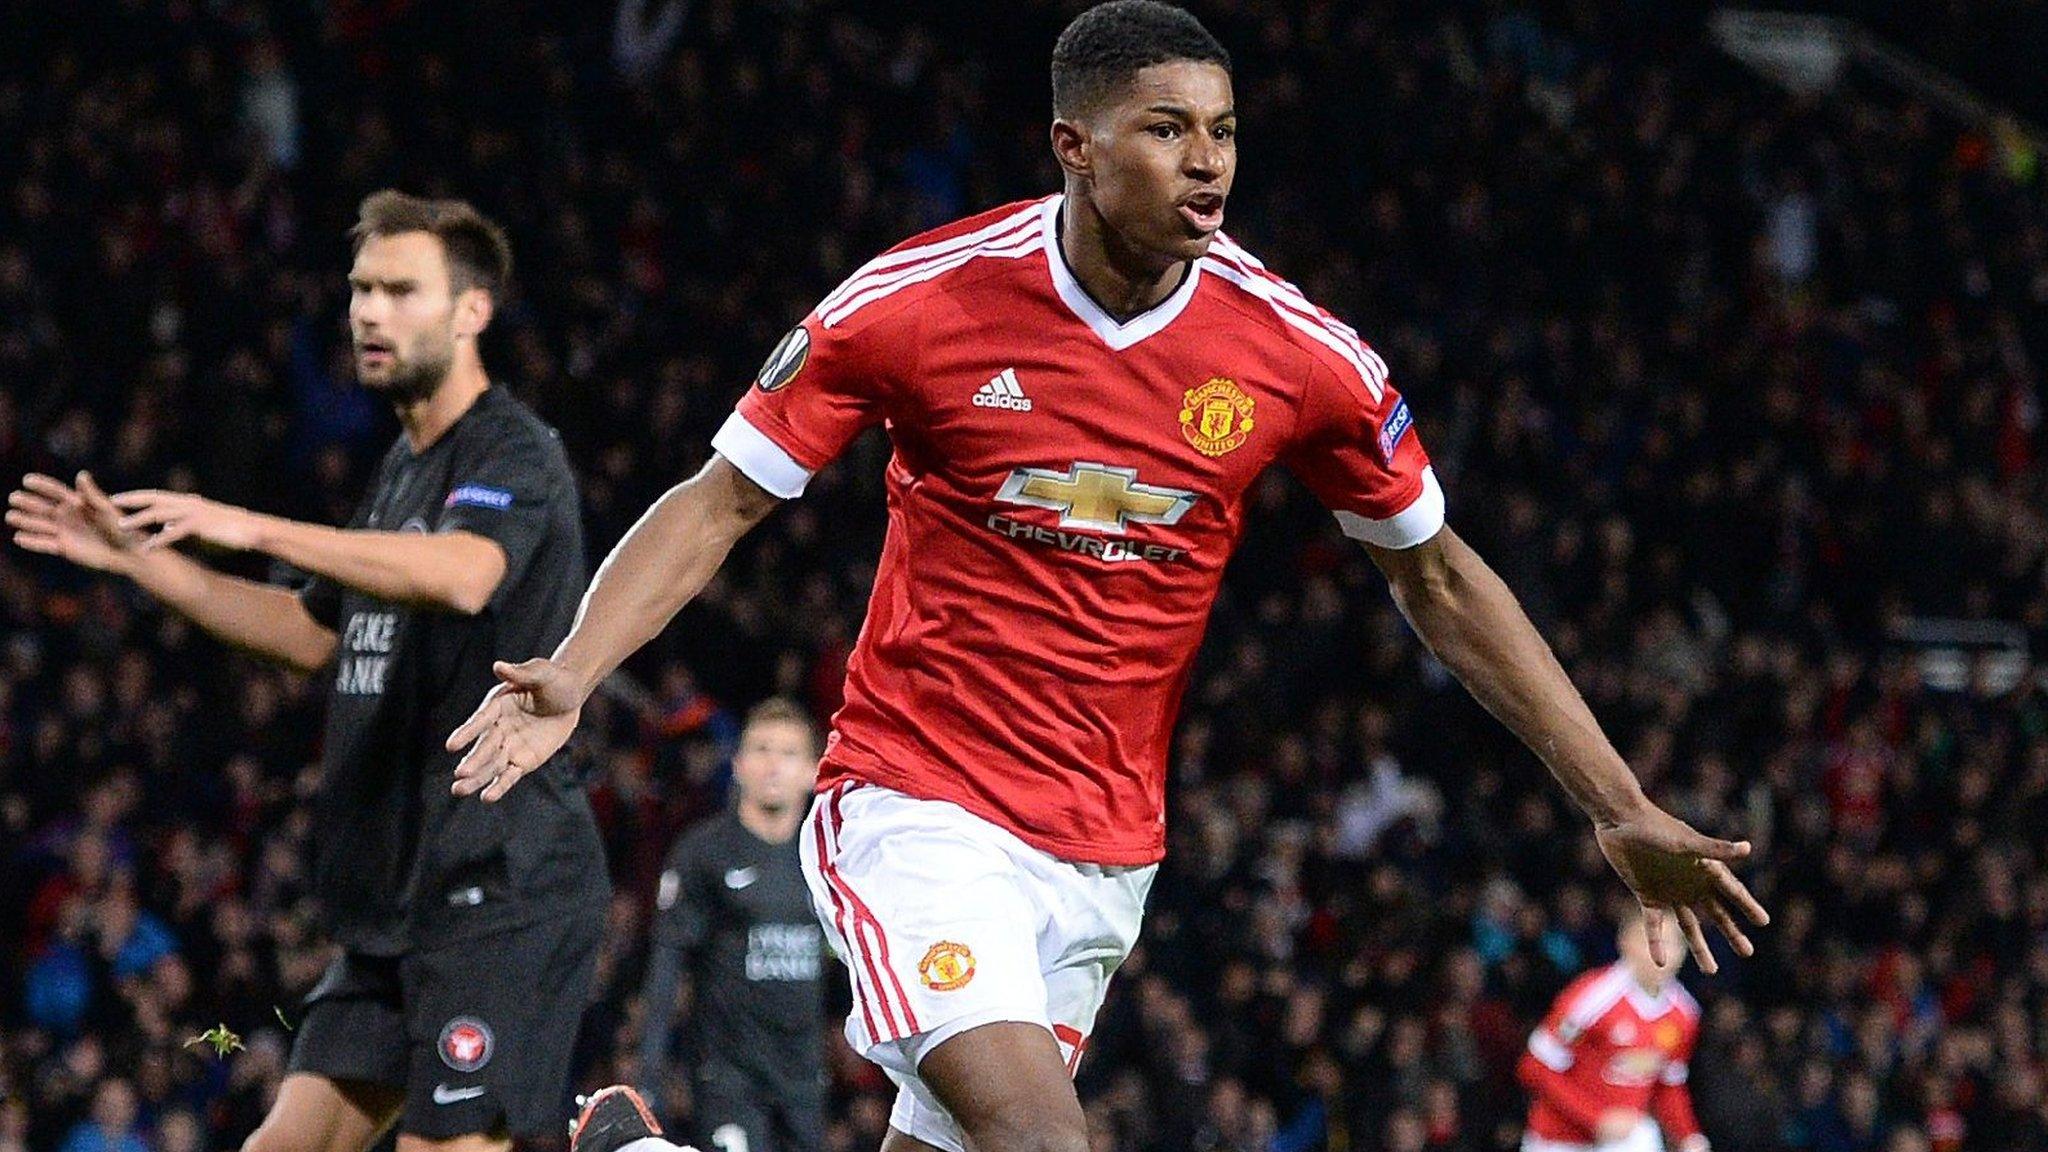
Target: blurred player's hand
x=1676, y=871
x=78, y=524
x=178, y=516
x=1616, y=1125
x=521, y=723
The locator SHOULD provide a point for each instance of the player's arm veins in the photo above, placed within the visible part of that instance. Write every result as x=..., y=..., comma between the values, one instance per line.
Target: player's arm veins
x=1473, y=623
x=454, y=570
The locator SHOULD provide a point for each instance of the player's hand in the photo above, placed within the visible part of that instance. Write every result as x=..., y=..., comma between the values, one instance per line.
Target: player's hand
x=173, y=516
x=1676, y=871
x=1615, y=1125
x=521, y=722
x=78, y=523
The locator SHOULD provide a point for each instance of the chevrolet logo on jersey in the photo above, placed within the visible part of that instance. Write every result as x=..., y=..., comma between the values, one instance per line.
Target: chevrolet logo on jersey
x=1096, y=496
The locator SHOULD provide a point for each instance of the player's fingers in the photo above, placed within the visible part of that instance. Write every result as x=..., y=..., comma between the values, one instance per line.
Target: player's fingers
x=477, y=769
x=468, y=730
x=168, y=535
x=28, y=501
x=48, y=486
x=525, y=675
x=148, y=516
x=484, y=757
x=89, y=488
x=97, y=504
x=1696, y=939
x=1708, y=848
x=23, y=520
x=1730, y=887
x=504, y=783
x=1653, y=932
x=41, y=543
x=141, y=497
x=1725, y=921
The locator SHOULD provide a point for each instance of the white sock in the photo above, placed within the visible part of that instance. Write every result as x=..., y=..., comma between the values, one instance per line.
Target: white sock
x=653, y=1144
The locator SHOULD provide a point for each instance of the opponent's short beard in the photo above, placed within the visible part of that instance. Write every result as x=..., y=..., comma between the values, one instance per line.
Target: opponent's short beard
x=413, y=381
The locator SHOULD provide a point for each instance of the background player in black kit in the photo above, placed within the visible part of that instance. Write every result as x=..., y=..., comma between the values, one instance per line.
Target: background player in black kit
x=734, y=913
x=468, y=931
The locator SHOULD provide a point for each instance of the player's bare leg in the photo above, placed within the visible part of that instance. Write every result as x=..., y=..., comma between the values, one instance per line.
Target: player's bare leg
x=1007, y=1087
x=315, y=1114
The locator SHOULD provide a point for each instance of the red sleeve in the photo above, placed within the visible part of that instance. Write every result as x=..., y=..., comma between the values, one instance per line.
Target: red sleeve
x=1671, y=1097
x=1357, y=449
x=821, y=386
x=1548, y=1065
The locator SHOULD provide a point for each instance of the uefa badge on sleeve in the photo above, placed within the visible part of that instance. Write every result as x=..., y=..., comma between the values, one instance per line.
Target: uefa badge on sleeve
x=466, y=1044
x=785, y=361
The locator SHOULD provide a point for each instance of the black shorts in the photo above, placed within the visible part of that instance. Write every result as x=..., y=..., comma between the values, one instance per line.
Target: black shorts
x=736, y=1112
x=478, y=1035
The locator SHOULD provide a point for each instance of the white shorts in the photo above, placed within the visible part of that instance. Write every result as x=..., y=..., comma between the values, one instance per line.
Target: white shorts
x=1644, y=1137
x=946, y=922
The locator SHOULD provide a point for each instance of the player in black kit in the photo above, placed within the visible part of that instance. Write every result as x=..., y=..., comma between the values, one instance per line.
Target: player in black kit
x=468, y=931
x=733, y=912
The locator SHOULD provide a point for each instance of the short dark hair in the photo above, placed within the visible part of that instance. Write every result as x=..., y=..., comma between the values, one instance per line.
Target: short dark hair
x=479, y=255
x=1108, y=43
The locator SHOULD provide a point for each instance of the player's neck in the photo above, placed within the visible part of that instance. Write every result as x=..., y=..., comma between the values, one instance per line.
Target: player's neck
x=1118, y=277
x=425, y=421
x=1651, y=985
x=775, y=825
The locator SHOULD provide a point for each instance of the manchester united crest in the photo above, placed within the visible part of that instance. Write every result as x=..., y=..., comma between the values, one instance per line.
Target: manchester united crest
x=1216, y=417
x=946, y=966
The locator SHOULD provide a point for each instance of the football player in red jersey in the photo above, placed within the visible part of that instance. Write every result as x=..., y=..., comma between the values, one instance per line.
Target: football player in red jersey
x=1079, y=390
x=1607, y=1068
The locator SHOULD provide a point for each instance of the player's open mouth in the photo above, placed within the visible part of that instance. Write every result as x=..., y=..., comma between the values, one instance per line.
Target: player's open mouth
x=1204, y=210
x=373, y=352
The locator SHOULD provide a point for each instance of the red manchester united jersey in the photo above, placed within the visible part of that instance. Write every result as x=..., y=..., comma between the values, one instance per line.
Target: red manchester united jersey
x=1063, y=494
x=1609, y=1045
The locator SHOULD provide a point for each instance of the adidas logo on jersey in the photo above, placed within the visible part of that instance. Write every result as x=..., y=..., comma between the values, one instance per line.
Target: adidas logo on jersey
x=1003, y=391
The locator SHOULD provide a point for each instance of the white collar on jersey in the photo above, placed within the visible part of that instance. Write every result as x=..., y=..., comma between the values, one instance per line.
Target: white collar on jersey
x=1648, y=1005
x=1117, y=336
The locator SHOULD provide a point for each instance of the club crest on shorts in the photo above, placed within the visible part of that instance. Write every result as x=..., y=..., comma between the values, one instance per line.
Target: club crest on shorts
x=1217, y=417
x=466, y=1044
x=946, y=966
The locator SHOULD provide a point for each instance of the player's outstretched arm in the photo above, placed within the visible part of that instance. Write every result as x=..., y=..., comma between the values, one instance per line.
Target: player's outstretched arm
x=455, y=571
x=667, y=558
x=1470, y=620
x=81, y=524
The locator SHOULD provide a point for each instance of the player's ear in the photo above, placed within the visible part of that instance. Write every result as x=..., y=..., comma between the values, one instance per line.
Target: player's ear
x=1070, y=146
x=473, y=311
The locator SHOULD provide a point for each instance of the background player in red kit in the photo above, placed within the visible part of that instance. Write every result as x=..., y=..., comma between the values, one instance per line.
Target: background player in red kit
x=1607, y=1068
x=1079, y=391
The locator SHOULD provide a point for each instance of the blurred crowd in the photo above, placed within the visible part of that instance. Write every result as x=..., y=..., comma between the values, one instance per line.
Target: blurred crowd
x=1737, y=390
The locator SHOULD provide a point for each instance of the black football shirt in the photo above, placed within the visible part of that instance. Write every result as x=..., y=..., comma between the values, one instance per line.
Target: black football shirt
x=736, y=910
x=399, y=862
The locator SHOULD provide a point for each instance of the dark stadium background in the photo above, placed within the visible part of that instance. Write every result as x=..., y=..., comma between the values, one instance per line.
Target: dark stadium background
x=1740, y=390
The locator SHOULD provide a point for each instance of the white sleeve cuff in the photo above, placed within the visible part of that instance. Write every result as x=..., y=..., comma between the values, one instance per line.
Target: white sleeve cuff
x=762, y=460
x=1415, y=524
x=1549, y=1051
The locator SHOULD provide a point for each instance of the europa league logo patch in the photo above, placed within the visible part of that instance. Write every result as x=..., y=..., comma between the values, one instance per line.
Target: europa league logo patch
x=786, y=360
x=466, y=1044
